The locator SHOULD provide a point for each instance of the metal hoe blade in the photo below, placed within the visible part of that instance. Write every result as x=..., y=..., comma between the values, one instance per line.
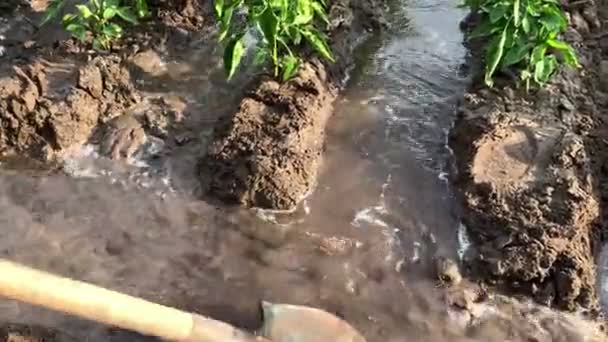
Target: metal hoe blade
x=294, y=323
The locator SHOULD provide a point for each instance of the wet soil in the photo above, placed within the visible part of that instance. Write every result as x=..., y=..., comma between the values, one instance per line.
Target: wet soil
x=530, y=175
x=22, y=333
x=368, y=259
x=55, y=92
x=267, y=154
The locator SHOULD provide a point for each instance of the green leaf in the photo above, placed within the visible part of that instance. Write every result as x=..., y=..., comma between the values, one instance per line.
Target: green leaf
x=85, y=11
x=557, y=44
x=233, y=53
x=111, y=3
x=127, y=15
x=553, y=19
x=538, y=53
x=69, y=19
x=260, y=56
x=109, y=13
x=78, y=31
x=112, y=30
x=218, y=5
x=225, y=22
x=100, y=44
x=498, y=12
x=305, y=12
x=517, y=53
x=142, y=8
x=52, y=11
x=320, y=11
x=486, y=28
x=544, y=68
x=269, y=25
x=295, y=35
x=532, y=10
x=319, y=43
x=525, y=23
x=494, y=56
x=516, y=13
x=570, y=57
x=289, y=65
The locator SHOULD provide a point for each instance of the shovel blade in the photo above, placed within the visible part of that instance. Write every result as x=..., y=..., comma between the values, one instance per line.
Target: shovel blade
x=294, y=323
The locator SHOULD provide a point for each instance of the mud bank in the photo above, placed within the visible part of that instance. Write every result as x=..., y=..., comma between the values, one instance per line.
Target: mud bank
x=56, y=93
x=267, y=154
x=529, y=169
x=51, y=105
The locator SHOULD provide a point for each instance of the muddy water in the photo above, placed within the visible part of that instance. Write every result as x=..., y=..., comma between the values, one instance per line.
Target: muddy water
x=359, y=246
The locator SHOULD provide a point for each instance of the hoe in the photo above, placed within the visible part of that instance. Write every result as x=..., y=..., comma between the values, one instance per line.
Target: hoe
x=282, y=322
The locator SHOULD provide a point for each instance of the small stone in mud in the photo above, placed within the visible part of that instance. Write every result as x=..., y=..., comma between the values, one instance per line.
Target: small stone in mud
x=447, y=271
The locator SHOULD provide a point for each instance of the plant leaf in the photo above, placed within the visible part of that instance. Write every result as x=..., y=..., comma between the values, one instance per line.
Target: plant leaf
x=218, y=5
x=525, y=23
x=570, y=57
x=233, y=53
x=320, y=11
x=111, y=3
x=112, y=30
x=225, y=22
x=289, y=65
x=544, y=68
x=557, y=44
x=497, y=12
x=305, y=12
x=142, y=8
x=85, y=11
x=516, y=6
x=127, y=15
x=78, y=31
x=52, y=11
x=109, y=13
x=319, y=43
x=486, y=28
x=260, y=56
x=538, y=53
x=69, y=19
x=269, y=25
x=517, y=53
x=494, y=56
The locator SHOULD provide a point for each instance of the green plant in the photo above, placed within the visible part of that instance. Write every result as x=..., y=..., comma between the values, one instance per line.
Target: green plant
x=282, y=26
x=98, y=17
x=522, y=34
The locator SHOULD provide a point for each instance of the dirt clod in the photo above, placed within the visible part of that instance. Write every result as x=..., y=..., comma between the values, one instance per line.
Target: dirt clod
x=49, y=106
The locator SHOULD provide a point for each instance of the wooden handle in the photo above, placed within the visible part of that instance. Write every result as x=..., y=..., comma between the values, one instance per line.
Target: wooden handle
x=113, y=308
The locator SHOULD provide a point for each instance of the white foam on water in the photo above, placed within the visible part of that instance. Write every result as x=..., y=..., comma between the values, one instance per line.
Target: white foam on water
x=602, y=275
x=81, y=163
x=464, y=242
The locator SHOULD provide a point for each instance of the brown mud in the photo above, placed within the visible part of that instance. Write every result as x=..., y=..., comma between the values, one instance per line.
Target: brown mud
x=267, y=154
x=530, y=171
x=22, y=333
x=56, y=93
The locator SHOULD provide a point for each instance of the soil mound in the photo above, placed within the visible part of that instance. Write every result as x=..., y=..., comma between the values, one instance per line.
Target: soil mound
x=52, y=104
x=527, y=170
x=267, y=154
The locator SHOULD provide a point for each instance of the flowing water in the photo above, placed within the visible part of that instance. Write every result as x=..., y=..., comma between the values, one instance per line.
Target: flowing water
x=359, y=245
